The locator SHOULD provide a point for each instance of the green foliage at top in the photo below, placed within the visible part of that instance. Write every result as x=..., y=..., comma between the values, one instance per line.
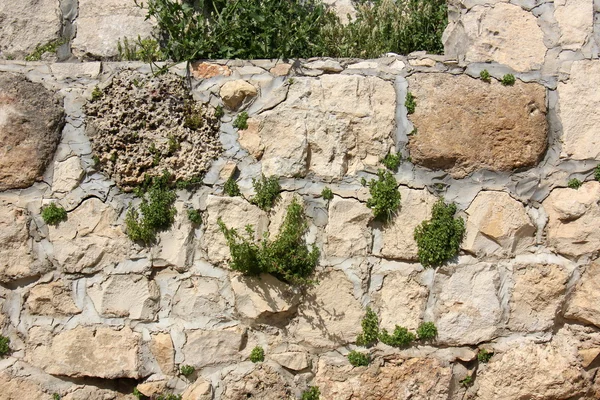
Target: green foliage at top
x=4, y=345
x=401, y=337
x=231, y=188
x=439, y=238
x=53, y=214
x=358, y=359
x=266, y=192
x=241, y=121
x=574, y=183
x=410, y=103
x=287, y=257
x=312, y=393
x=485, y=76
x=327, y=194
x=392, y=161
x=370, y=329
x=146, y=50
x=484, y=356
x=427, y=331
x=385, y=197
x=508, y=80
x=186, y=370
x=257, y=354
x=156, y=212
x=49, y=47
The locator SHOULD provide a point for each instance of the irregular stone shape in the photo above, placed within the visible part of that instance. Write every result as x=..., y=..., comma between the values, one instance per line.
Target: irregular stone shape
x=90, y=239
x=82, y=352
x=497, y=224
x=126, y=296
x=250, y=140
x=51, y=299
x=198, y=299
x=576, y=22
x=67, y=175
x=153, y=388
x=162, y=348
x=281, y=69
x=573, y=219
x=414, y=378
x=17, y=388
x=584, y=303
x=467, y=309
x=263, y=298
x=293, y=360
x=201, y=389
x=100, y=26
x=537, y=296
x=348, y=233
x=235, y=213
x=31, y=121
x=398, y=240
x=345, y=122
x=578, y=102
x=261, y=382
x=344, y=9
x=203, y=348
x=206, y=70
x=464, y=124
x=332, y=316
x=236, y=93
x=26, y=24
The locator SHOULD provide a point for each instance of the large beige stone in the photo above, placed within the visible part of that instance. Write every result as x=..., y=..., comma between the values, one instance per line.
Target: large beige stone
x=67, y=175
x=398, y=241
x=573, y=219
x=293, y=360
x=201, y=389
x=235, y=213
x=578, y=102
x=329, y=315
x=199, y=298
x=464, y=124
x=19, y=388
x=51, y=299
x=261, y=382
x=203, y=347
x=576, y=22
x=537, y=295
x=100, y=352
x=466, y=308
x=126, y=296
x=236, y=93
x=31, y=120
x=348, y=233
x=584, y=302
x=497, y=224
x=162, y=348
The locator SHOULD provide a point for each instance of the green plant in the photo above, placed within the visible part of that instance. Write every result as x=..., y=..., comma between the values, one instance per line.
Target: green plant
x=358, y=359
x=266, y=192
x=484, y=356
x=96, y=93
x=508, y=80
x=4, y=345
x=195, y=216
x=427, y=331
x=574, y=183
x=467, y=381
x=401, y=337
x=172, y=145
x=257, y=354
x=138, y=394
x=189, y=183
x=363, y=181
x=146, y=50
x=439, y=238
x=392, y=161
x=231, y=188
x=370, y=329
x=186, y=370
x=55, y=396
x=485, y=76
x=241, y=121
x=193, y=118
x=219, y=113
x=156, y=212
x=597, y=173
x=327, y=194
x=385, y=197
x=53, y=214
x=410, y=103
x=49, y=47
x=312, y=393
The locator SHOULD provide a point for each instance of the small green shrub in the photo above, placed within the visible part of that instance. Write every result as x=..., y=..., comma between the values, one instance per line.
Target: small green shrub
x=231, y=188
x=574, y=183
x=484, y=356
x=241, y=121
x=55, y=396
x=363, y=181
x=266, y=192
x=467, y=381
x=370, y=329
x=485, y=76
x=193, y=116
x=138, y=394
x=195, y=216
x=4, y=345
x=427, y=331
x=410, y=103
x=358, y=359
x=97, y=93
x=385, y=197
x=257, y=354
x=53, y=214
x=400, y=338
x=186, y=370
x=508, y=80
x=219, y=112
x=312, y=393
x=173, y=145
x=327, y=194
x=439, y=238
x=49, y=47
x=392, y=161
x=597, y=173
x=146, y=50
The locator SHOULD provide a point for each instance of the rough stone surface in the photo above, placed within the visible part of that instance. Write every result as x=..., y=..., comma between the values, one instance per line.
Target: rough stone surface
x=237, y=93
x=31, y=120
x=464, y=124
x=293, y=360
x=51, y=299
x=199, y=390
x=348, y=233
x=249, y=139
x=262, y=382
x=583, y=304
x=18, y=388
x=573, y=219
x=203, y=348
x=576, y=22
x=578, y=102
x=199, y=298
x=497, y=224
x=67, y=175
x=206, y=70
x=162, y=349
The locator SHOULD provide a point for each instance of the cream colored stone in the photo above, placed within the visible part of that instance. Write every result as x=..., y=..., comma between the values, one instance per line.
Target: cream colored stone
x=126, y=296
x=401, y=301
x=588, y=356
x=576, y=22
x=199, y=298
x=18, y=388
x=51, y=299
x=201, y=389
x=584, y=302
x=67, y=175
x=162, y=348
x=203, y=348
x=294, y=360
x=348, y=233
x=206, y=70
x=153, y=388
x=422, y=62
x=236, y=93
x=250, y=140
x=281, y=69
x=263, y=381
x=228, y=170
x=497, y=224
x=263, y=297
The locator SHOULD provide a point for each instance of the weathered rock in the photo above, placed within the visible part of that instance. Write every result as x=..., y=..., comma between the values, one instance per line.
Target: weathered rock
x=31, y=120
x=82, y=352
x=100, y=26
x=201, y=389
x=162, y=348
x=584, y=304
x=573, y=219
x=206, y=70
x=398, y=241
x=203, y=348
x=537, y=296
x=126, y=296
x=152, y=388
x=467, y=309
x=348, y=233
x=578, y=102
x=464, y=124
x=497, y=224
x=576, y=22
x=293, y=360
x=199, y=298
x=18, y=388
x=67, y=175
x=51, y=299
x=250, y=140
x=237, y=93
x=261, y=382
x=281, y=69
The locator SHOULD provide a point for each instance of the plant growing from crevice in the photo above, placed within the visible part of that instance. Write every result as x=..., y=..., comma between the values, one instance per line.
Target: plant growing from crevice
x=439, y=238
x=574, y=183
x=508, y=80
x=358, y=359
x=266, y=192
x=172, y=145
x=597, y=173
x=467, y=381
x=401, y=337
x=146, y=50
x=241, y=121
x=186, y=370
x=485, y=76
x=219, y=112
x=392, y=161
x=312, y=393
x=484, y=356
x=370, y=329
x=97, y=93
x=410, y=103
x=385, y=197
x=56, y=396
x=40, y=50
x=53, y=214
x=257, y=355
x=427, y=331
x=195, y=216
x=231, y=188
x=327, y=194
x=4, y=346
x=138, y=394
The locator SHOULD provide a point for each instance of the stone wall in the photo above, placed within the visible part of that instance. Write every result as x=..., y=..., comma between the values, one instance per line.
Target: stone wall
x=91, y=315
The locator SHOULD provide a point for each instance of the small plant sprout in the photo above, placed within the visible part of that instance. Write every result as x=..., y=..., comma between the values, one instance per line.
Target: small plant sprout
x=195, y=216
x=363, y=181
x=508, y=80
x=327, y=194
x=401, y=337
x=370, y=329
x=219, y=112
x=186, y=370
x=257, y=354
x=312, y=393
x=267, y=192
x=392, y=161
x=410, y=103
x=55, y=396
x=597, y=173
x=484, y=356
x=427, y=331
x=385, y=197
x=241, y=121
x=4, y=346
x=574, y=183
x=53, y=214
x=358, y=359
x=485, y=76
x=231, y=188
x=96, y=94
x=467, y=381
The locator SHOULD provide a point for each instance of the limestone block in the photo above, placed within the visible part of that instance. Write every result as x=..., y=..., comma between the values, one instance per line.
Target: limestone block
x=348, y=233
x=576, y=22
x=206, y=70
x=199, y=298
x=294, y=360
x=162, y=348
x=263, y=381
x=236, y=93
x=584, y=304
x=203, y=347
x=53, y=299
x=67, y=175
x=201, y=389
